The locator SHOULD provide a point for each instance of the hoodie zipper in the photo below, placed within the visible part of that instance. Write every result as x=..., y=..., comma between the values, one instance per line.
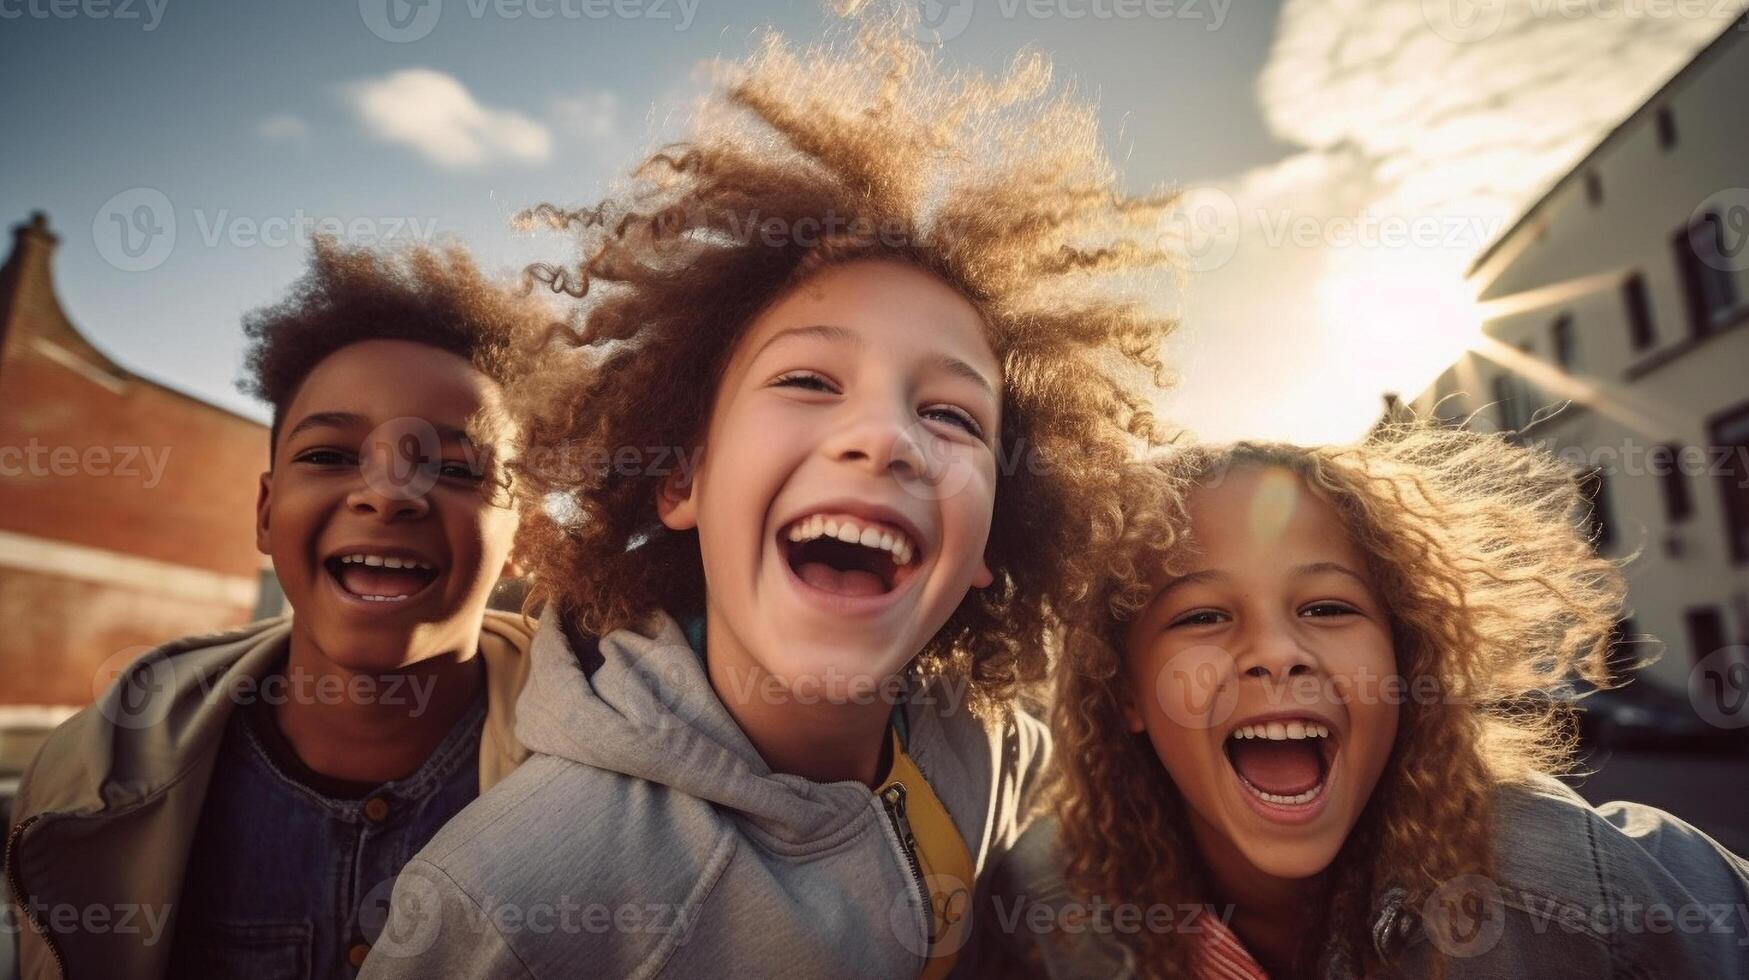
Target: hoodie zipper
x=893, y=799
x=23, y=900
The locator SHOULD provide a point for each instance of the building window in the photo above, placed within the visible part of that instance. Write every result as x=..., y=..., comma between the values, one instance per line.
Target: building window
x=1706, y=631
x=1666, y=465
x=1506, y=400
x=1566, y=355
x=1666, y=129
x=1594, y=487
x=1641, y=333
x=1704, y=262
x=1730, y=447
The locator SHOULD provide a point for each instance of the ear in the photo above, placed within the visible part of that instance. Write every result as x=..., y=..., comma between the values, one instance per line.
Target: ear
x=1132, y=716
x=982, y=578
x=263, y=506
x=676, y=503
x=511, y=568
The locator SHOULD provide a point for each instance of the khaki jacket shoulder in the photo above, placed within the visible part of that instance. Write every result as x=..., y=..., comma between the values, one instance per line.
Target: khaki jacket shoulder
x=106, y=813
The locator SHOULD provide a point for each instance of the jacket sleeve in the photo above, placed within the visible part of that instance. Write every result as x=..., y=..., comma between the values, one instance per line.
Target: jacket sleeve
x=1689, y=918
x=436, y=929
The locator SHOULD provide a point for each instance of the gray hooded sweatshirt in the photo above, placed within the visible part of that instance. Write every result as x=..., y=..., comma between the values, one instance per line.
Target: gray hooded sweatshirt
x=646, y=837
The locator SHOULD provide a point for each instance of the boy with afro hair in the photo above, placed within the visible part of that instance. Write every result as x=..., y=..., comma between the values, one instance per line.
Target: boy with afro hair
x=255, y=792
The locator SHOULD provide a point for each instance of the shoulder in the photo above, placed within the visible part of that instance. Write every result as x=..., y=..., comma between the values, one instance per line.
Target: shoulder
x=558, y=832
x=1548, y=834
x=1621, y=888
x=159, y=708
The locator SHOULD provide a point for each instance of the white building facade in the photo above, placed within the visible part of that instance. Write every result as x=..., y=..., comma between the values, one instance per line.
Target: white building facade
x=1616, y=334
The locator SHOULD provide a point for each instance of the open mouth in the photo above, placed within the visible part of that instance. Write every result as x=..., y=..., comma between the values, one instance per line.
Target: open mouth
x=849, y=556
x=375, y=577
x=1283, y=762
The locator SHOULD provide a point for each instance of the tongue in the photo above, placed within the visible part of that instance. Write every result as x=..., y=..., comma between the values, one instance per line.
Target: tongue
x=376, y=580
x=1283, y=768
x=852, y=582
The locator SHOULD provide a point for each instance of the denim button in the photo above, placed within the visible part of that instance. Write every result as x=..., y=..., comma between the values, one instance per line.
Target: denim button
x=376, y=809
x=357, y=953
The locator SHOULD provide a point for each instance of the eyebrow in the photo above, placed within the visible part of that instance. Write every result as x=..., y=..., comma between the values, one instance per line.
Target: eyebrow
x=347, y=420
x=1206, y=575
x=826, y=331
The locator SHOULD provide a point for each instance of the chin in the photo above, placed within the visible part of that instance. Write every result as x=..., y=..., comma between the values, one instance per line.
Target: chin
x=1293, y=862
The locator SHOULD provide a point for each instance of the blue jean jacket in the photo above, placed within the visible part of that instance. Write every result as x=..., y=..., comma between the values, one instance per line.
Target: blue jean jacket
x=285, y=882
x=1579, y=893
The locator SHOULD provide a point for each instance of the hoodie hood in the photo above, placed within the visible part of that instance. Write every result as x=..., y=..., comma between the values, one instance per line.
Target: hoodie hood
x=639, y=703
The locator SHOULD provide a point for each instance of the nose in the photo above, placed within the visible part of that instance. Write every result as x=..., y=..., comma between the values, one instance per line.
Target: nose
x=392, y=485
x=1271, y=651
x=883, y=438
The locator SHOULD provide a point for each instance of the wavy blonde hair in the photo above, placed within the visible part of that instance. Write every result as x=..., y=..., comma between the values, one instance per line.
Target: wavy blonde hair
x=1478, y=549
x=805, y=159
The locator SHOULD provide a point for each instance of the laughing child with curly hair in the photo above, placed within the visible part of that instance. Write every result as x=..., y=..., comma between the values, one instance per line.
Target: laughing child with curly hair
x=807, y=480
x=1310, y=705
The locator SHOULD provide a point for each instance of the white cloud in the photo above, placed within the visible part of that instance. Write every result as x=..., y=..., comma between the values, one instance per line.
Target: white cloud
x=1399, y=128
x=435, y=114
x=284, y=129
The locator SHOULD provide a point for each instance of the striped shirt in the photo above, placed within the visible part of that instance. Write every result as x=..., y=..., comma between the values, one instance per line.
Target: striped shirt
x=1222, y=956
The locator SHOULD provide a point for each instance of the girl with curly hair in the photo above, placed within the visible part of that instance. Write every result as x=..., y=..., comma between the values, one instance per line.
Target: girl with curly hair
x=806, y=481
x=1305, y=732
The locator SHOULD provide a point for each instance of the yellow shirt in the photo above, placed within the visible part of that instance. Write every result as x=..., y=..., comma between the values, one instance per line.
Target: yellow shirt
x=944, y=863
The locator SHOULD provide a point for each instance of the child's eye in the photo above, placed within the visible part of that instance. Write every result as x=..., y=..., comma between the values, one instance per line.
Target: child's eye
x=323, y=457
x=1327, y=609
x=1198, y=617
x=804, y=379
x=461, y=469
x=957, y=416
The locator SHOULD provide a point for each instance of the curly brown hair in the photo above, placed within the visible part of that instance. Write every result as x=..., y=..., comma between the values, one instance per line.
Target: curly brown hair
x=1478, y=551
x=807, y=159
x=431, y=296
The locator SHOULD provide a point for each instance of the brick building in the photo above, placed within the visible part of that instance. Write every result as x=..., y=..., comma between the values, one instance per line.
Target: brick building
x=126, y=506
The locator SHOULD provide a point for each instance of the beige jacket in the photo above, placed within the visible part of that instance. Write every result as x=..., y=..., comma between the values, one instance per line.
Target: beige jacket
x=105, y=815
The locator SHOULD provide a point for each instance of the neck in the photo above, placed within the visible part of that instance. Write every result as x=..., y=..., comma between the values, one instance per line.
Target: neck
x=372, y=727
x=819, y=740
x=1271, y=915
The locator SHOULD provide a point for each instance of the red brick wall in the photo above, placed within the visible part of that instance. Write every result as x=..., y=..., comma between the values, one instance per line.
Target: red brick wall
x=196, y=512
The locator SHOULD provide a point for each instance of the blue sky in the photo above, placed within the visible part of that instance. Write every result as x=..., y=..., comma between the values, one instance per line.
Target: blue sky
x=236, y=119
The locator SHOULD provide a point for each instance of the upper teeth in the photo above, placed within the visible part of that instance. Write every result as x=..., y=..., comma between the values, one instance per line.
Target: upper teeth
x=1279, y=731
x=385, y=561
x=853, y=531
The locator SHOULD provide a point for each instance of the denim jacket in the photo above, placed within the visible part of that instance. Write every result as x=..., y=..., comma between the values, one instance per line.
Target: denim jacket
x=1620, y=891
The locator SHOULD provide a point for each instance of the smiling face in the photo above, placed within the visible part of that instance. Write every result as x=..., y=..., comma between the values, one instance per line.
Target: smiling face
x=1262, y=677
x=386, y=560
x=845, y=487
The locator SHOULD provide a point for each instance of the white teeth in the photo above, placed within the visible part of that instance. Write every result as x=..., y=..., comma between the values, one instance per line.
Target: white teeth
x=850, y=531
x=1277, y=731
x=1294, y=800
x=385, y=562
